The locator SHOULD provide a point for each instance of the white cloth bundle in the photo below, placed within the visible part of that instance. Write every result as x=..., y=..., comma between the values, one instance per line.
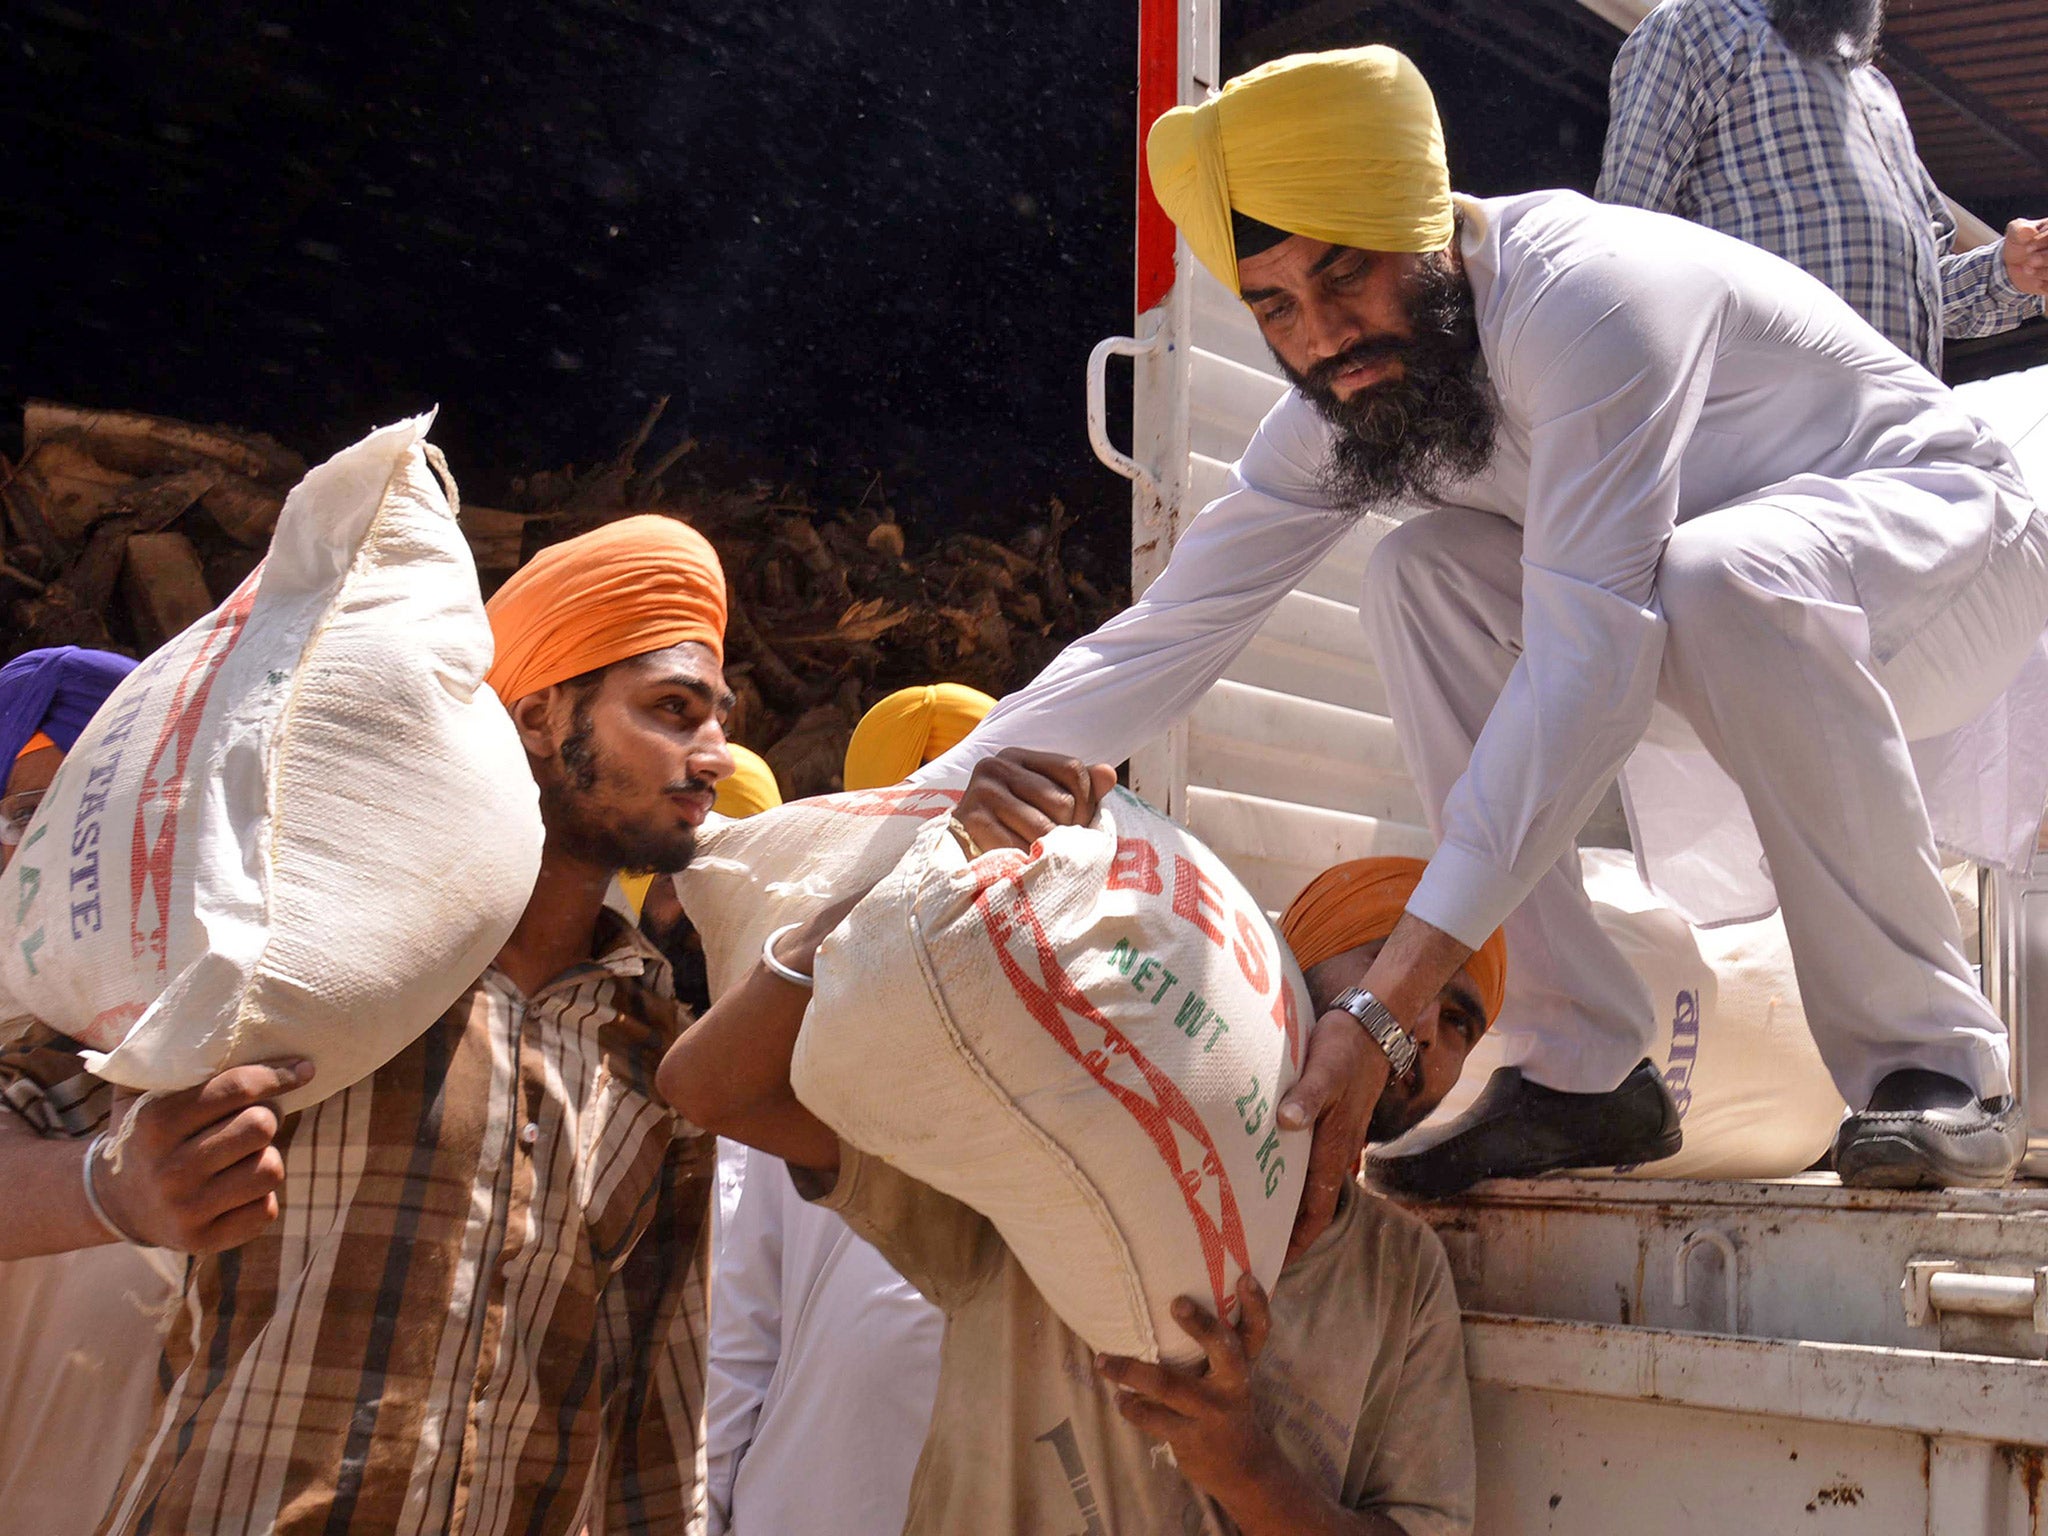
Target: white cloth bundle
x=1087, y=1044
x=301, y=828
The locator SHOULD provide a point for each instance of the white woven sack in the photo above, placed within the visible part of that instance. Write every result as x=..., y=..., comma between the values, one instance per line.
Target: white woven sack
x=301, y=828
x=1086, y=1044
x=1755, y=1100
x=752, y=875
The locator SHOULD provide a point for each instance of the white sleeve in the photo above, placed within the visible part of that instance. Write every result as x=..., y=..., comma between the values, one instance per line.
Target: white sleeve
x=746, y=1319
x=1111, y=692
x=1613, y=355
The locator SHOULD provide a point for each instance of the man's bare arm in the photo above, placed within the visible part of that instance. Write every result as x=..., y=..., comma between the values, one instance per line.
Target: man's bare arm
x=46, y=1207
x=729, y=1073
x=1205, y=1413
x=1346, y=1072
x=199, y=1172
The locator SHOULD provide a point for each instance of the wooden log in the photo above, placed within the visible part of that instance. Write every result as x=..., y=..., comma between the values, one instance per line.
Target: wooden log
x=146, y=507
x=59, y=492
x=811, y=759
x=136, y=444
x=163, y=585
x=244, y=510
x=497, y=539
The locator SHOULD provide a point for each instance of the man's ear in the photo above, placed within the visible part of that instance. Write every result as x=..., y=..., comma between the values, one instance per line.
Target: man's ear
x=535, y=718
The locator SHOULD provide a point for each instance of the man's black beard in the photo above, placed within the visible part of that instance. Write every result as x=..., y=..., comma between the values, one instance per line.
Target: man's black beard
x=1394, y=1116
x=1408, y=438
x=1830, y=31
x=573, y=809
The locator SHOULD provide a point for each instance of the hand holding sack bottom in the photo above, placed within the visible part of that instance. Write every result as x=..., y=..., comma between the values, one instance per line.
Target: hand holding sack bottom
x=302, y=827
x=1086, y=1044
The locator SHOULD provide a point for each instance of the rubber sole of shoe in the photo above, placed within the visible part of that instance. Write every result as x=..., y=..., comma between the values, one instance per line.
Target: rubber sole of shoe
x=1899, y=1162
x=1418, y=1182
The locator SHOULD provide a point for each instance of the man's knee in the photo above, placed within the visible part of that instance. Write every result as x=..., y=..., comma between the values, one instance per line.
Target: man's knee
x=1703, y=590
x=1412, y=569
x=1726, y=571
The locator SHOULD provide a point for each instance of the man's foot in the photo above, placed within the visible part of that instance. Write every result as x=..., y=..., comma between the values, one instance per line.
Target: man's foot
x=1516, y=1128
x=1924, y=1130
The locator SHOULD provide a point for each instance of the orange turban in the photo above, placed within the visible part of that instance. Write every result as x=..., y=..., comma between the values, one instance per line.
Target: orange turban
x=637, y=585
x=910, y=728
x=1353, y=904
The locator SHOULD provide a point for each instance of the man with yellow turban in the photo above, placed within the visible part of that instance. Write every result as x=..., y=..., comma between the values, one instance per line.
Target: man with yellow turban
x=1667, y=478
x=908, y=729
x=491, y=1278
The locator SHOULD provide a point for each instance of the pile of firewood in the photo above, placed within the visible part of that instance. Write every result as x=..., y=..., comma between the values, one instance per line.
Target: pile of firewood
x=121, y=529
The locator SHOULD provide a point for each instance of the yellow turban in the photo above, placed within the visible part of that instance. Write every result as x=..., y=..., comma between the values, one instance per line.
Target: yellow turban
x=751, y=789
x=637, y=585
x=910, y=728
x=1342, y=146
x=1355, y=903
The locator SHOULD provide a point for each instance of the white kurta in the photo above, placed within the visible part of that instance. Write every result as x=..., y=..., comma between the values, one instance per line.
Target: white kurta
x=823, y=1366
x=1648, y=372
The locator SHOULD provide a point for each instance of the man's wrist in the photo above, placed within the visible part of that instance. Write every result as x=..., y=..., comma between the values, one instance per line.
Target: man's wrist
x=1271, y=1495
x=1389, y=1036
x=1254, y=1481
x=103, y=1195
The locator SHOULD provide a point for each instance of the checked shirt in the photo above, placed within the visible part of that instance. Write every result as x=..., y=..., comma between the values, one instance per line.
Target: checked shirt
x=1715, y=119
x=481, y=1311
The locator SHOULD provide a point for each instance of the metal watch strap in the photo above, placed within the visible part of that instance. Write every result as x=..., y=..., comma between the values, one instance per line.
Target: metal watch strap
x=1386, y=1030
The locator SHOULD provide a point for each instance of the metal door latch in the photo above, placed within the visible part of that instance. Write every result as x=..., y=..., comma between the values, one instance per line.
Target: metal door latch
x=1933, y=1286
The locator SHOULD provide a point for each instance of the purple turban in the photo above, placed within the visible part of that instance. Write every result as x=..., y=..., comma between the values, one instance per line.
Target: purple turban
x=56, y=692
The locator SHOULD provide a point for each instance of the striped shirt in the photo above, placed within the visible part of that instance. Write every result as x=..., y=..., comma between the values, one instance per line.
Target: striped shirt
x=482, y=1308
x=1714, y=118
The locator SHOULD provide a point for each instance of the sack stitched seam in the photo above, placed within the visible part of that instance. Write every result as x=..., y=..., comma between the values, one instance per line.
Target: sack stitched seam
x=281, y=741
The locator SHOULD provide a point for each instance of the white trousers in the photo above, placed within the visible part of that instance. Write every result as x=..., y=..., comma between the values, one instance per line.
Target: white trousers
x=1767, y=657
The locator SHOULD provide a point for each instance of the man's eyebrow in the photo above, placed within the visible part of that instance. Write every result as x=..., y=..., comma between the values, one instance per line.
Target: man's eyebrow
x=1322, y=264
x=1466, y=991
x=718, y=698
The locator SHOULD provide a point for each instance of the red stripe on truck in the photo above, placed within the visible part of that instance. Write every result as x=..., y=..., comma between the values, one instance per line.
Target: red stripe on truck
x=1158, y=91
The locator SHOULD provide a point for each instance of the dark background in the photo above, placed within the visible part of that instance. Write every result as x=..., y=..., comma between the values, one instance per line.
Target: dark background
x=845, y=237
x=849, y=238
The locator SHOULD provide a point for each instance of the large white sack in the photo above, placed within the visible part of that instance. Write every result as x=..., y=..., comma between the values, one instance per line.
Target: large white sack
x=1754, y=1098
x=1086, y=1044
x=301, y=828
x=753, y=874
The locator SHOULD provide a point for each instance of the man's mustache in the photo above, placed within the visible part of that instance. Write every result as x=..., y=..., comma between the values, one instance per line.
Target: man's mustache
x=1377, y=350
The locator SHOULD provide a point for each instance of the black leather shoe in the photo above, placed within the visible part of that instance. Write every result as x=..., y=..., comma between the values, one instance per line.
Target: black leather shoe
x=1516, y=1128
x=1924, y=1130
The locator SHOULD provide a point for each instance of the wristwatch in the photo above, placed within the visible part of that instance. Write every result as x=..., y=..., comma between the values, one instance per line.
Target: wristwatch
x=1375, y=1020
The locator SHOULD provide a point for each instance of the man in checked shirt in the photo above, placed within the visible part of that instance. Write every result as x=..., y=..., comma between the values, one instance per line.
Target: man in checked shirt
x=1766, y=120
x=466, y=1294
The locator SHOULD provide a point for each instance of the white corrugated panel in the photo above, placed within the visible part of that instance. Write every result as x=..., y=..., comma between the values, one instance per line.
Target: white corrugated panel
x=1291, y=760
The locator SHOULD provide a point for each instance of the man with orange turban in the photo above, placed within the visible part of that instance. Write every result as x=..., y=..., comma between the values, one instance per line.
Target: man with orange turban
x=1337, y=927
x=497, y=1248
x=1686, y=517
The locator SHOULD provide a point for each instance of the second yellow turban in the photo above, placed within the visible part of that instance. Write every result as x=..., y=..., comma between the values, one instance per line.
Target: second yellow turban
x=908, y=729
